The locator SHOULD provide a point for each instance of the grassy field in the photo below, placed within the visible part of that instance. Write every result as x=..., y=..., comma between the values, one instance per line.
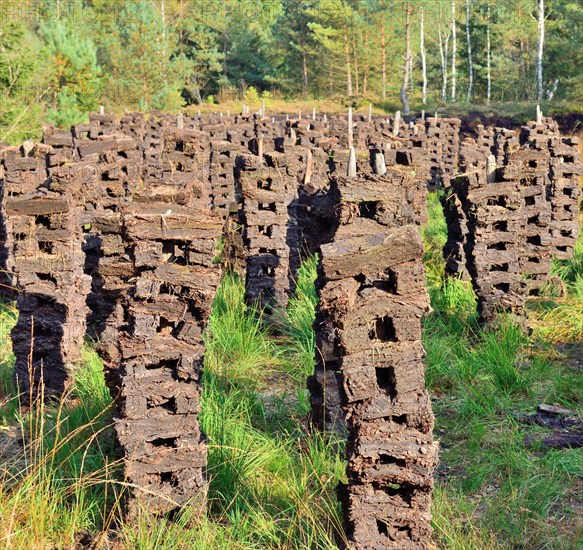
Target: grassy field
x=272, y=480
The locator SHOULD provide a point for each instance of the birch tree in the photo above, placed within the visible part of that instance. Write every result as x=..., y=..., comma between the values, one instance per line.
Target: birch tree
x=383, y=61
x=469, y=44
x=453, y=51
x=404, y=96
x=423, y=56
x=488, y=57
x=541, y=42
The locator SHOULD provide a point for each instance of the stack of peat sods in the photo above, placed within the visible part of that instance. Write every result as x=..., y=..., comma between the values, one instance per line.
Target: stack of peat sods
x=48, y=265
x=172, y=247
x=267, y=192
x=372, y=299
x=518, y=201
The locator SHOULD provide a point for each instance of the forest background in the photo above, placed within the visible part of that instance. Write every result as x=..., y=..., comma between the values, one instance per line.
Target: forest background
x=61, y=59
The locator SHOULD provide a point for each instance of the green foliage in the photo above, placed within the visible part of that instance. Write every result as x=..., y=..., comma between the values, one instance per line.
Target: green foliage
x=298, y=321
x=236, y=342
x=73, y=73
x=166, y=54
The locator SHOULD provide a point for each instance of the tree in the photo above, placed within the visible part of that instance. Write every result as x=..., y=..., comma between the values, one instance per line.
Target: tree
x=541, y=43
x=453, y=51
x=469, y=44
x=74, y=75
x=423, y=55
x=146, y=70
x=404, y=96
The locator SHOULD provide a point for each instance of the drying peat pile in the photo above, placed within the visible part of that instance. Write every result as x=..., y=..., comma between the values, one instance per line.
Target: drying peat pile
x=372, y=299
x=113, y=228
x=512, y=209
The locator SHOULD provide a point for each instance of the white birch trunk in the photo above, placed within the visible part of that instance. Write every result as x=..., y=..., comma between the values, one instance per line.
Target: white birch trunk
x=423, y=58
x=453, y=51
x=384, y=61
x=348, y=69
x=470, y=63
x=488, y=59
x=541, y=42
x=404, y=96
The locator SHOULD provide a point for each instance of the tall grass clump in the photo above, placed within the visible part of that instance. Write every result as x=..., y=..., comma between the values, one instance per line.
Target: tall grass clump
x=272, y=482
x=434, y=235
x=61, y=479
x=237, y=346
x=298, y=320
x=562, y=319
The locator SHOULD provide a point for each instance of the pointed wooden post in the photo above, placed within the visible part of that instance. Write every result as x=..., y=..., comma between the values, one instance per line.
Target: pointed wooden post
x=199, y=112
x=260, y=148
x=351, y=169
x=397, y=123
x=539, y=115
x=350, y=128
x=309, y=167
x=314, y=113
x=300, y=115
x=380, y=166
x=370, y=112
x=228, y=113
x=491, y=169
x=101, y=110
x=287, y=118
x=423, y=115
x=180, y=121
x=325, y=117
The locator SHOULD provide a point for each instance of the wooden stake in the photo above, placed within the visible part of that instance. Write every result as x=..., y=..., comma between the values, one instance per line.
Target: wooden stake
x=260, y=147
x=380, y=166
x=370, y=112
x=180, y=121
x=314, y=113
x=397, y=123
x=539, y=115
x=101, y=110
x=309, y=167
x=350, y=129
x=491, y=169
x=351, y=169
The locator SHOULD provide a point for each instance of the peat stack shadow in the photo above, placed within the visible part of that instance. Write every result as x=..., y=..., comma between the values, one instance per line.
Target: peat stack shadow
x=48, y=337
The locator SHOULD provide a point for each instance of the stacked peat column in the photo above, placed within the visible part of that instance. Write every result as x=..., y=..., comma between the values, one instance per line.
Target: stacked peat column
x=372, y=298
x=268, y=195
x=443, y=137
x=162, y=349
x=518, y=202
x=564, y=188
x=473, y=152
x=115, y=160
x=48, y=337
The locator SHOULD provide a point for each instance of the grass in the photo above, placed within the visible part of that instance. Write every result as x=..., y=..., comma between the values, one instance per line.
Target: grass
x=271, y=479
x=492, y=490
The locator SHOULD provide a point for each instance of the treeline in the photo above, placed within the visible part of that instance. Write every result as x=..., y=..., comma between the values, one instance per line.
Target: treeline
x=60, y=59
